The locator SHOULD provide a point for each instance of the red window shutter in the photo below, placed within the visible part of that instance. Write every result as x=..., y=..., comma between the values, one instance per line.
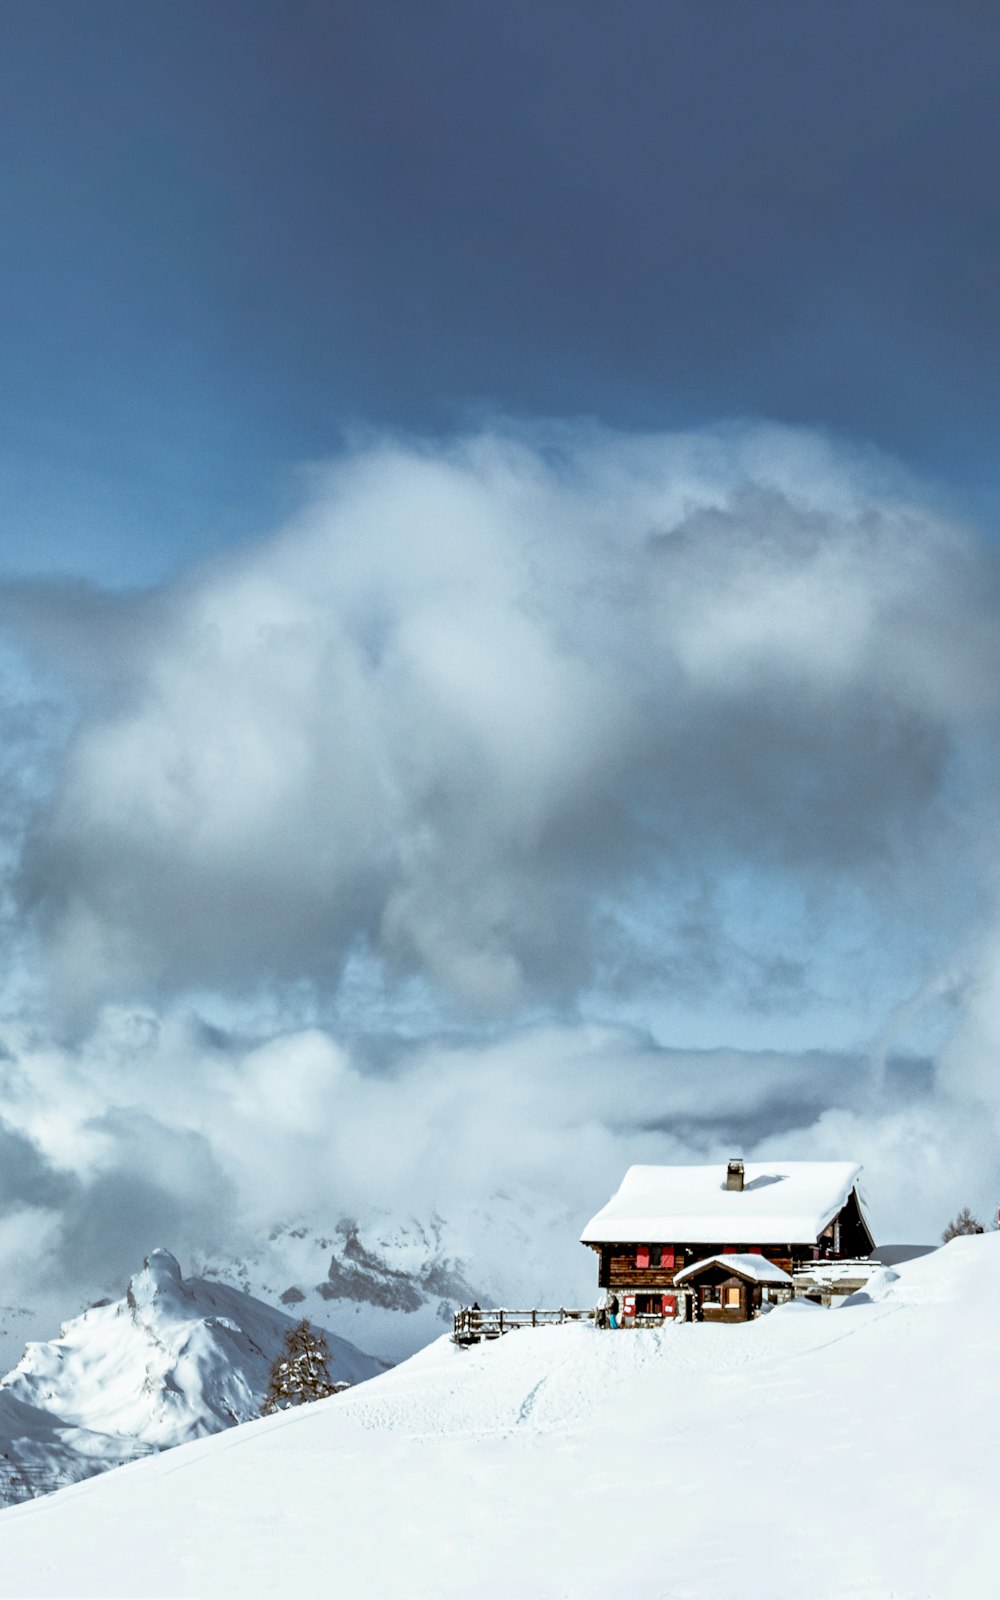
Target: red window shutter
x=729, y=1250
x=666, y=1257
x=755, y=1250
x=669, y=1305
x=642, y=1256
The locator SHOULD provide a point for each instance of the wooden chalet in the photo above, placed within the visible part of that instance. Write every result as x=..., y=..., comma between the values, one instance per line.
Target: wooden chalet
x=718, y=1242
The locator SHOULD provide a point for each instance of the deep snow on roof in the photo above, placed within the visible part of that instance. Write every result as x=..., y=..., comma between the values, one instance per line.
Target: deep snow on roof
x=757, y=1268
x=781, y=1202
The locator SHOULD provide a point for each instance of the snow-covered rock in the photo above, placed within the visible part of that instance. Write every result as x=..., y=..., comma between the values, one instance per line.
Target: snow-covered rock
x=173, y=1360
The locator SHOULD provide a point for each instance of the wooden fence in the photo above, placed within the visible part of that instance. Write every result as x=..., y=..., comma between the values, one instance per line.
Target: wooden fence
x=473, y=1324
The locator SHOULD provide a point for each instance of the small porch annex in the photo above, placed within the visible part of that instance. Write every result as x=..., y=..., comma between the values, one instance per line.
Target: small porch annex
x=732, y=1288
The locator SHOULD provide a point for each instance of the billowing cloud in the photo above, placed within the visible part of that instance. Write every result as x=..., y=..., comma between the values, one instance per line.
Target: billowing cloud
x=504, y=715
x=27, y=1180
x=218, y=1140
x=498, y=737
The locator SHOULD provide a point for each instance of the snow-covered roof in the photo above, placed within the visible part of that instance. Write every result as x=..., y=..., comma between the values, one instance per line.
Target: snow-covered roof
x=781, y=1202
x=756, y=1268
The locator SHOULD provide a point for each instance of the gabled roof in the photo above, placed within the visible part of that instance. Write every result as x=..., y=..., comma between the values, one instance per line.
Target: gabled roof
x=754, y=1269
x=781, y=1202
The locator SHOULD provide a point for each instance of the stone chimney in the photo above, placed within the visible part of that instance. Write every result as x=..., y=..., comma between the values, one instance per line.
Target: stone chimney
x=734, y=1176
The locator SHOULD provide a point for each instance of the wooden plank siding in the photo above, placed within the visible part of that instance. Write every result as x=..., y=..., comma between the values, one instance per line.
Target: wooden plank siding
x=724, y=1314
x=618, y=1268
x=637, y=1268
x=852, y=1232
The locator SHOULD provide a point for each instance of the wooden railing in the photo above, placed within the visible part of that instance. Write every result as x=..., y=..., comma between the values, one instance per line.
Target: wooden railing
x=472, y=1324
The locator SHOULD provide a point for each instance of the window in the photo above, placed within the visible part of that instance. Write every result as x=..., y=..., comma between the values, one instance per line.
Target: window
x=656, y=1305
x=731, y=1297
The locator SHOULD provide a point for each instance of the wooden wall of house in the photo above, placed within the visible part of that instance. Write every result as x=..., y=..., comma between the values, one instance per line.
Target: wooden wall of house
x=618, y=1269
x=716, y=1280
x=855, y=1239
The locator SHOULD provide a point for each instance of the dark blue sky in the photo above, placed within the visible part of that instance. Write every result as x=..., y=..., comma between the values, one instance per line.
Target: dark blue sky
x=231, y=230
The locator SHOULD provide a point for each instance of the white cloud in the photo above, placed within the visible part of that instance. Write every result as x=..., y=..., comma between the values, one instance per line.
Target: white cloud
x=154, y=1133
x=514, y=727
x=478, y=699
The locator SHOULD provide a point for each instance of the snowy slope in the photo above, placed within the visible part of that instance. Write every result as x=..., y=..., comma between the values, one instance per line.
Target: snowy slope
x=174, y=1360
x=813, y=1455
x=39, y=1452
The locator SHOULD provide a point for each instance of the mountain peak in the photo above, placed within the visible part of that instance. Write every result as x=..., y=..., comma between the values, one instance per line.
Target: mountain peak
x=158, y=1287
x=174, y=1360
x=161, y=1265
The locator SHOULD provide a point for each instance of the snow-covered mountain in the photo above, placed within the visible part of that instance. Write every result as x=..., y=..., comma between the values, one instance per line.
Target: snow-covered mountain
x=381, y=1281
x=851, y=1452
x=394, y=1285
x=173, y=1360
